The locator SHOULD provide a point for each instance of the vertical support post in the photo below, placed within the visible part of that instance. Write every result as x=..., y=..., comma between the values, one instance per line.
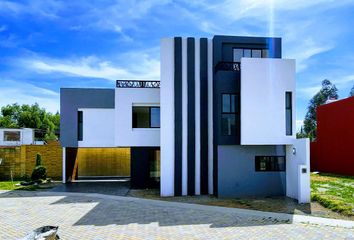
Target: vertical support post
x=64, y=165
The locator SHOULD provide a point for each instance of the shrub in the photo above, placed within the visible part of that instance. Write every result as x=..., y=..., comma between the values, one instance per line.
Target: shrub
x=38, y=160
x=39, y=172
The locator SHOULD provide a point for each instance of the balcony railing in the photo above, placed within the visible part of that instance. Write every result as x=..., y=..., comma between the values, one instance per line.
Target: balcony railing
x=137, y=84
x=228, y=66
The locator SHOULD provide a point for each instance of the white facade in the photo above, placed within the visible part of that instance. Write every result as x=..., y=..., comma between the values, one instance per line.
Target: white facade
x=167, y=118
x=26, y=137
x=98, y=127
x=264, y=82
x=125, y=134
x=298, y=170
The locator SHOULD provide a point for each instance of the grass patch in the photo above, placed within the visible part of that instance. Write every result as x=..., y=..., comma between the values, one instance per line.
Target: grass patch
x=334, y=192
x=8, y=185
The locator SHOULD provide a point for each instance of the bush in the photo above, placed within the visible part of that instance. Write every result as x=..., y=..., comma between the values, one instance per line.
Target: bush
x=39, y=172
x=38, y=160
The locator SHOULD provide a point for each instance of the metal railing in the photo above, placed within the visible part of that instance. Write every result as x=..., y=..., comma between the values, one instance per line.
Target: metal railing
x=137, y=84
x=228, y=66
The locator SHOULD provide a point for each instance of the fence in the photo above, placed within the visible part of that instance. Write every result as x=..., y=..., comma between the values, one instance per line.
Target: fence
x=20, y=161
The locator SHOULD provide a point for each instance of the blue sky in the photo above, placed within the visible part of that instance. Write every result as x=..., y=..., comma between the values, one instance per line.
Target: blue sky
x=45, y=45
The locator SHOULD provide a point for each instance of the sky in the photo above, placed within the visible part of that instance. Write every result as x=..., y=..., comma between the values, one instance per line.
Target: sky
x=46, y=45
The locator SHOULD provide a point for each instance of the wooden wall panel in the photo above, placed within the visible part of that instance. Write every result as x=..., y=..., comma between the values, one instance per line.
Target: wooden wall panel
x=104, y=162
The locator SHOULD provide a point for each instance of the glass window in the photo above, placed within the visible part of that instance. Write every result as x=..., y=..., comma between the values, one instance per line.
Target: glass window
x=238, y=54
x=229, y=103
x=228, y=124
x=270, y=163
x=265, y=53
x=233, y=103
x=79, y=125
x=155, y=117
x=288, y=113
x=247, y=53
x=226, y=103
x=146, y=117
x=12, y=136
x=228, y=115
x=256, y=53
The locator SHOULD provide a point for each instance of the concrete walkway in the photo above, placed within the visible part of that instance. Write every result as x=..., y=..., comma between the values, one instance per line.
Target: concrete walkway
x=97, y=216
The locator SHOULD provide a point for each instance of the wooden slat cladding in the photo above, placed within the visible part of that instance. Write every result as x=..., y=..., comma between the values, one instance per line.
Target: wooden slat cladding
x=104, y=162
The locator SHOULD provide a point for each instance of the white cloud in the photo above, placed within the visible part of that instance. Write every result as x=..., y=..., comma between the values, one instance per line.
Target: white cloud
x=134, y=65
x=308, y=92
x=23, y=93
x=36, y=8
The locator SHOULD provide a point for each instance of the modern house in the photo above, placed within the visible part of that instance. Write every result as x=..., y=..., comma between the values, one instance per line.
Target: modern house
x=332, y=152
x=220, y=121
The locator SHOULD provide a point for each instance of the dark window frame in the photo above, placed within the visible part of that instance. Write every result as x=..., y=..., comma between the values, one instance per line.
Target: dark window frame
x=230, y=112
x=17, y=133
x=80, y=120
x=289, y=107
x=149, y=107
x=243, y=52
x=269, y=165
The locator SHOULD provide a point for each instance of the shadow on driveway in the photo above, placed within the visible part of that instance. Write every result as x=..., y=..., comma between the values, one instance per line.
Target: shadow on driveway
x=116, y=188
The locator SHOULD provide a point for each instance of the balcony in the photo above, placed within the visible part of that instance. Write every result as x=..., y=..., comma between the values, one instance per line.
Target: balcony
x=228, y=66
x=137, y=84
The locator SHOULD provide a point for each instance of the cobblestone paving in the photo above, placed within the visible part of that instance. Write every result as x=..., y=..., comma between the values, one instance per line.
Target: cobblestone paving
x=88, y=217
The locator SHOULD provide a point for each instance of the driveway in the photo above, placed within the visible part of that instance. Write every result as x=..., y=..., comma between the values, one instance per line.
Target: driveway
x=118, y=187
x=96, y=216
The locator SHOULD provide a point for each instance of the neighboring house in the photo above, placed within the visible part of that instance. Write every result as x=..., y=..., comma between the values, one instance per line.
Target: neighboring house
x=16, y=137
x=226, y=125
x=332, y=152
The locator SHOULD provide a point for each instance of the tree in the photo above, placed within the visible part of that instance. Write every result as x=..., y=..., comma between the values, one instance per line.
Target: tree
x=351, y=93
x=328, y=91
x=31, y=116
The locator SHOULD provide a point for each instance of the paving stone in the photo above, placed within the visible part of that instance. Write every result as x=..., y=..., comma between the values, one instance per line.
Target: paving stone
x=87, y=217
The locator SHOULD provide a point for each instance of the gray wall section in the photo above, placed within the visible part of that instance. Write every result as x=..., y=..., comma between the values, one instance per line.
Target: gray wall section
x=237, y=176
x=73, y=98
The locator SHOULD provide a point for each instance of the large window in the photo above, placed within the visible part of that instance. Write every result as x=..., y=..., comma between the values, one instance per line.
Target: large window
x=146, y=117
x=228, y=115
x=288, y=113
x=79, y=126
x=12, y=136
x=249, y=53
x=270, y=163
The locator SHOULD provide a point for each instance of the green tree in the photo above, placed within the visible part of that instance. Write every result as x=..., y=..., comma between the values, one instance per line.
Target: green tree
x=31, y=116
x=328, y=91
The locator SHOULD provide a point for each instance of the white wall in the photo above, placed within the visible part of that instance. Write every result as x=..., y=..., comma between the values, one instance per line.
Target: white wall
x=264, y=82
x=125, y=135
x=297, y=182
x=26, y=137
x=167, y=117
x=98, y=127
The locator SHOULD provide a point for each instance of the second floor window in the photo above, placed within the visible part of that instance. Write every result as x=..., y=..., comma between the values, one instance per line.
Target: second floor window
x=288, y=113
x=79, y=126
x=228, y=114
x=146, y=117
